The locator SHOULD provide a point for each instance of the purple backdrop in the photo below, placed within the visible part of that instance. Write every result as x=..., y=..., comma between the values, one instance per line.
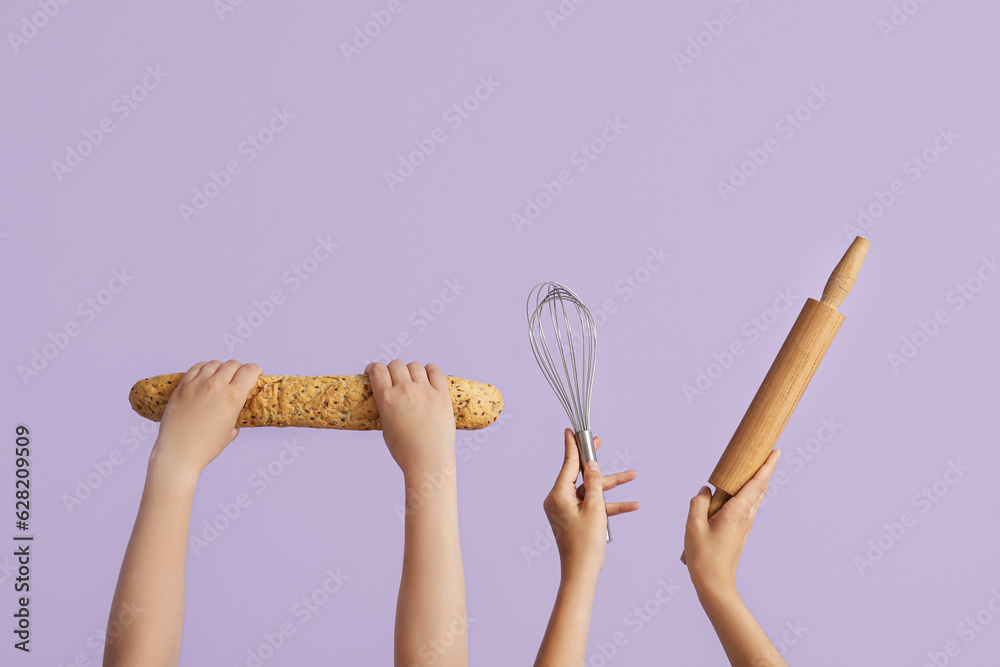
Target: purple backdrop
x=398, y=170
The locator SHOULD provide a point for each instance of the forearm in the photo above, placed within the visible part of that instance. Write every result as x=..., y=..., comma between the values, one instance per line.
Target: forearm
x=744, y=641
x=148, y=604
x=431, y=617
x=565, y=640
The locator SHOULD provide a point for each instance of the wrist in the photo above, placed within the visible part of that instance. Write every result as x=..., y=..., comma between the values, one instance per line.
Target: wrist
x=579, y=575
x=164, y=467
x=435, y=473
x=715, y=589
x=430, y=487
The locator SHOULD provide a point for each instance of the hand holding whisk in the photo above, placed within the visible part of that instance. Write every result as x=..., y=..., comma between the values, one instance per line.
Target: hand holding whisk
x=566, y=355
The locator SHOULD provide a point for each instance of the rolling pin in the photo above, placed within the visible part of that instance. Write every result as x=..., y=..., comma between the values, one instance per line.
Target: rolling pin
x=785, y=382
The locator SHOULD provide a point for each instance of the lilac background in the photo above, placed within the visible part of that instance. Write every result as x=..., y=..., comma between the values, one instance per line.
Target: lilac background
x=654, y=187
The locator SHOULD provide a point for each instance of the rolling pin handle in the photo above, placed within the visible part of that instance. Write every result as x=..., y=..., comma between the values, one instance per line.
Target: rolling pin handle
x=846, y=272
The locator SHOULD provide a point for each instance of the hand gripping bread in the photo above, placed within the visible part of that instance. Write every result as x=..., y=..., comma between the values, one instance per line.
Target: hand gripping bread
x=322, y=401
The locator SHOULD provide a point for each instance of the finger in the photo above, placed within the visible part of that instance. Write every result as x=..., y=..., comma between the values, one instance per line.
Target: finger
x=614, y=509
x=436, y=377
x=613, y=480
x=417, y=372
x=753, y=491
x=236, y=432
x=246, y=376
x=398, y=372
x=593, y=496
x=378, y=377
x=191, y=372
x=571, y=461
x=597, y=442
x=698, y=512
x=226, y=371
x=209, y=367
x=763, y=476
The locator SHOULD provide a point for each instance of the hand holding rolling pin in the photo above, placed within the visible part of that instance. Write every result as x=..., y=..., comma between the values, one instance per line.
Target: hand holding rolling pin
x=713, y=546
x=786, y=381
x=718, y=524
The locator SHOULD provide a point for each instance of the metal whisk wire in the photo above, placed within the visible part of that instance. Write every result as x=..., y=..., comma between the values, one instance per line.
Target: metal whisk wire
x=555, y=302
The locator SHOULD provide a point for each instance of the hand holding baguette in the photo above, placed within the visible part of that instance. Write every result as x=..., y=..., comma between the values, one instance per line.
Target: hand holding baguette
x=322, y=401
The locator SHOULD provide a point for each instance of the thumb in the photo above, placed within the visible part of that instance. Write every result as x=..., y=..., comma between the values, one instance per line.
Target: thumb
x=698, y=514
x=593, y=485
x=571, y=461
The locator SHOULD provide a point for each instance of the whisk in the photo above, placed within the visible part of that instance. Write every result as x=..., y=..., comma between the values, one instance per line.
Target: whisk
x=557, y=304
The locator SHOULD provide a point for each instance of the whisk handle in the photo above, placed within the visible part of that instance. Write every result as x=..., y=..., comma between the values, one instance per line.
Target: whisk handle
x=588, y=453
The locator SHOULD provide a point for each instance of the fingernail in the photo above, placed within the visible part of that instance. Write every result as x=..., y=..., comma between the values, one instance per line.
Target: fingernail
x=592, y=465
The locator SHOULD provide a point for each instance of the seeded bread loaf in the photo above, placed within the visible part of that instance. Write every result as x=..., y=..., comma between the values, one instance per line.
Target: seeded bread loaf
x=322, y=401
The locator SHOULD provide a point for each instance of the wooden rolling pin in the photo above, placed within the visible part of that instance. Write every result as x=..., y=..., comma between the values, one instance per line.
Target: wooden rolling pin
x=322, y=401
x=785, y=382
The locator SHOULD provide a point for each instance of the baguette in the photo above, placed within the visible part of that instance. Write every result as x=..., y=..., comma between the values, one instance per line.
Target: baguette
x=322, y=401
